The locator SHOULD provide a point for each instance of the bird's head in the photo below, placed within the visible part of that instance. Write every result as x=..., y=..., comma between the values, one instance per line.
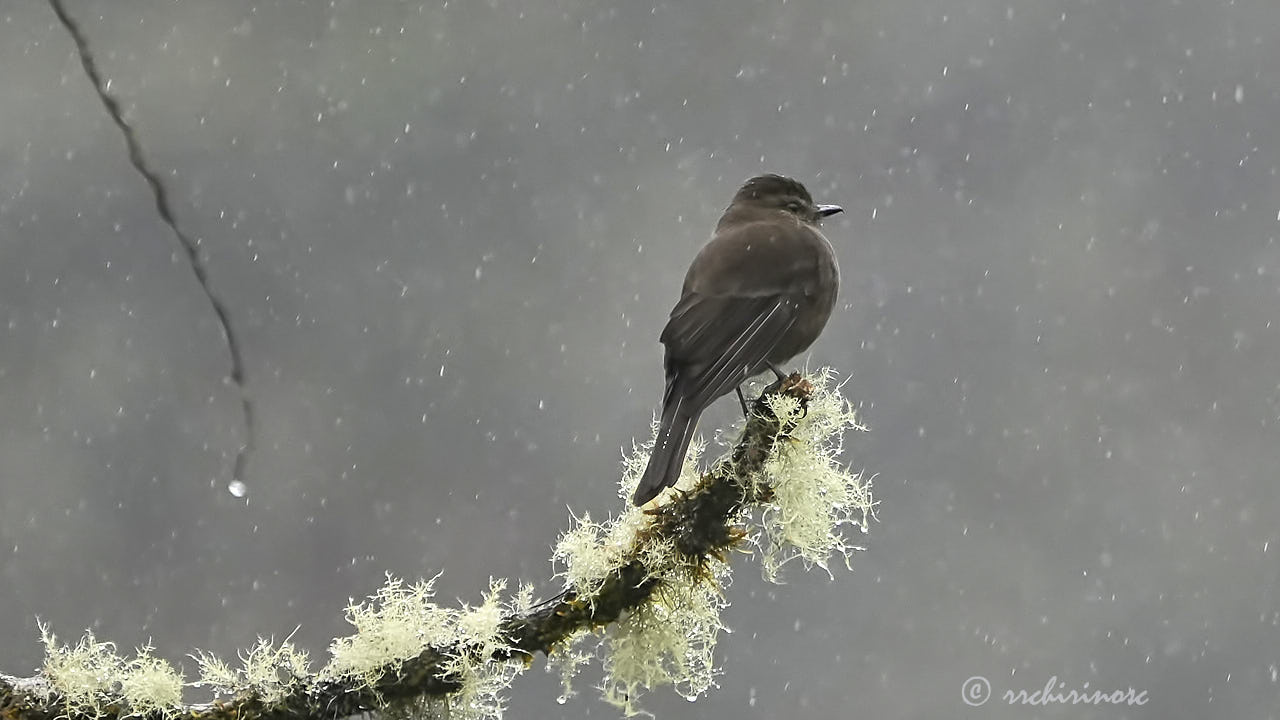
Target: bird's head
x=776, y=193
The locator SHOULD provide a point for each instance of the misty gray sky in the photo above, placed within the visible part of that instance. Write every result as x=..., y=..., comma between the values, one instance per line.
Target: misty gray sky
x=449, y=234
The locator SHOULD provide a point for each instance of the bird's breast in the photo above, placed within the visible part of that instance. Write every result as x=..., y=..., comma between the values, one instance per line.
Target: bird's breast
x=814, y=307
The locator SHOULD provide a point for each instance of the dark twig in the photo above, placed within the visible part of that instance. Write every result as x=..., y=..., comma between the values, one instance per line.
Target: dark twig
x=139, y=161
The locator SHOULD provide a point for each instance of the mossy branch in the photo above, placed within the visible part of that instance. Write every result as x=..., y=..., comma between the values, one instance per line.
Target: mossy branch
x=649, y=580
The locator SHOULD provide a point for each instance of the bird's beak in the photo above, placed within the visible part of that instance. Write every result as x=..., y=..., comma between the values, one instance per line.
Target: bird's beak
x=829, y=210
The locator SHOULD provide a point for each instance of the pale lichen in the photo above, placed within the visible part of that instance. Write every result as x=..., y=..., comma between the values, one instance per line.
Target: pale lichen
x=397, y=624
x=215, y=673
x=523, y=601
x=669, y=640
x=586, y=560
x=567, y=659
x=477, y=632
x=85, y=675
x=813, y=495
x=271, y=671
x=90, y=676
x=150, y=685
x=401, y=621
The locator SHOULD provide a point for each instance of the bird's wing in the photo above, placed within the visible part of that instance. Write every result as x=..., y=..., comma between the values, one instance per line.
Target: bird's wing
x=715, y=342
x=740, y=298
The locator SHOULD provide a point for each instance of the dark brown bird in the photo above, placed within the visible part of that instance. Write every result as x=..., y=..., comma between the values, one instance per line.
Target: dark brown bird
x=758, y=294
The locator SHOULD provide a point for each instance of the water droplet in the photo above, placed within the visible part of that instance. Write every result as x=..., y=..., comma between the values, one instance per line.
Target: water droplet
x=237, y=488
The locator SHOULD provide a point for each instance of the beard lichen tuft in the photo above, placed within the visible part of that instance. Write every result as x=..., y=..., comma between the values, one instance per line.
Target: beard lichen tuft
x=91, y=676
x=482, y=677
x=150, y=685
x=269, y=670
x=669, y=640
x=811, y=495
x=402, y=622
x=397, y=624
x=567, y=658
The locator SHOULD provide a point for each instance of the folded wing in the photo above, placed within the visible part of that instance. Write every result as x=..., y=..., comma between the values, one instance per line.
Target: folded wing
x=714, y=343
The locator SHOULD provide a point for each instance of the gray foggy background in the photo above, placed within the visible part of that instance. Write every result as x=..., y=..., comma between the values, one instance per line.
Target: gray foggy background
x=449, y=233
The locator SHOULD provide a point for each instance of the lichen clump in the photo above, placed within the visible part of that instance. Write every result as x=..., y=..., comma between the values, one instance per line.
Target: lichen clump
x=402, y=621
x=669, y=640
x=813, y=495
x=91, y=675
x=268, y=670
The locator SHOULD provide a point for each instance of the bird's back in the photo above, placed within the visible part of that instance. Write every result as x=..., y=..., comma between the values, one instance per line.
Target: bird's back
x=743, y=267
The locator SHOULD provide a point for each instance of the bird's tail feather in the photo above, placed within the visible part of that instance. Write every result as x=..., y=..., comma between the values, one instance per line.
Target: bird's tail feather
x=669, y=448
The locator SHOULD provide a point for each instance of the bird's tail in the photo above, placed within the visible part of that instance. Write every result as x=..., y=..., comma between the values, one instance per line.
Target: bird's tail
x=669, y=449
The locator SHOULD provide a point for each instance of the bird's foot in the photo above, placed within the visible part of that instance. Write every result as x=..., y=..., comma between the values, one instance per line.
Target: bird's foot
x=778, y=373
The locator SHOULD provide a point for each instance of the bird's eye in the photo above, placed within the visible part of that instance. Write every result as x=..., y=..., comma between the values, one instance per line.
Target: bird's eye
x=793, y=206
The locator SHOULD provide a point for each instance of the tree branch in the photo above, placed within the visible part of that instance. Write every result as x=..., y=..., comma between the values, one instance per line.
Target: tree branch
x=681, y=541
